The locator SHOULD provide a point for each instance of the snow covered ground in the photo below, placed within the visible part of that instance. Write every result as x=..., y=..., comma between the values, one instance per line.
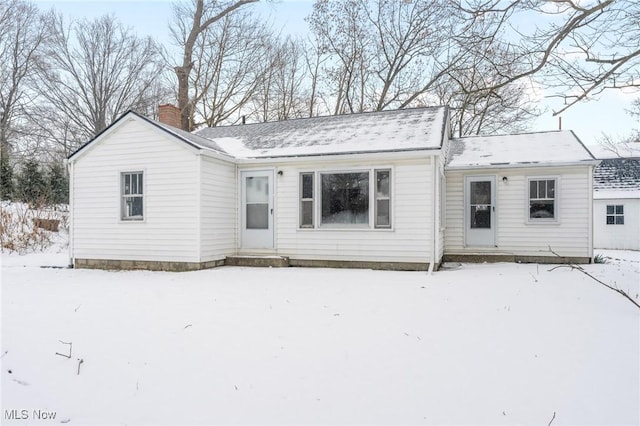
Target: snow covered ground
x=496, y=344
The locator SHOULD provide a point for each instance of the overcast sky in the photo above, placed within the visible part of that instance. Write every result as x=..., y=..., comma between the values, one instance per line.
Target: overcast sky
x=151, y=17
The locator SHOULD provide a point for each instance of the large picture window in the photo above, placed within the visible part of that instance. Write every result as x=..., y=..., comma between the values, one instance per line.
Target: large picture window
x=345, y=198
x=615, y=215
x=132, y=196
x=542, y=200
x=360, y=199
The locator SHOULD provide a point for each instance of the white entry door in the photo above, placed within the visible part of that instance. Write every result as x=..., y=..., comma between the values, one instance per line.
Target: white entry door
x=257, y=209
x=480, y=195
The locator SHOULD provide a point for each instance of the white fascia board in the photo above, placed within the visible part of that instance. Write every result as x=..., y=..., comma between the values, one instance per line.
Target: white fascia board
x=218, y=156
x=123, y=121
x=524, y=165
x=328, y=158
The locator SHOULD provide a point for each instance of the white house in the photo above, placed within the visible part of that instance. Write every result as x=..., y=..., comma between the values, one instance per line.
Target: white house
x=616, y=204
x=362, y=190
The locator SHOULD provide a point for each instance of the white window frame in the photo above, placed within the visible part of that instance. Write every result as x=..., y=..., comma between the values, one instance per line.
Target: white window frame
x=367, y=225
x=317, y=200
x=377, y=198
x=303, y=200
x=556, y=201
x=140, y=194
x=614, y=215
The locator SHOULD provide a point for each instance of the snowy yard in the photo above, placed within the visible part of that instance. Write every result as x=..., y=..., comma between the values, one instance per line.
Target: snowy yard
x=496, y=344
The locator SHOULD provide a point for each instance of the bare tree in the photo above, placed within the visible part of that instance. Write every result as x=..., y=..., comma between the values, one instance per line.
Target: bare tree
x=231, y=59
x=282, y=93
x=412, y=46
x=190, y=21
x=625, y=146
x=314, y=58
x=390, y=54
x=22, y=32
x=578, y=50
x=340, y=30
x=95, y=71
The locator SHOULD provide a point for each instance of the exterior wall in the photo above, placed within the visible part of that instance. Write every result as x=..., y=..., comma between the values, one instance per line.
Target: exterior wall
x=618, y=237
x=409, y=240
x=170, y=226
x=219, y=209
x=570, y=236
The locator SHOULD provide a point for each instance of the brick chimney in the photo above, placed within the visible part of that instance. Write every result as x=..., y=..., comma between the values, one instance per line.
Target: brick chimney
x=169, y=114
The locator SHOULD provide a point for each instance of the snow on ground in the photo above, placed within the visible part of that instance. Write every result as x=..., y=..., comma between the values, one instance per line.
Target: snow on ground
x=497, y=344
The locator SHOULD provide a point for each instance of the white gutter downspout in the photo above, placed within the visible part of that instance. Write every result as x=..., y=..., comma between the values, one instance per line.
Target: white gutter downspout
x=433, y=220
x=71, y=223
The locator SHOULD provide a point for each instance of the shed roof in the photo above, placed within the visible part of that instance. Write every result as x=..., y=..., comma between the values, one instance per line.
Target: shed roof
x=540, y=148
x=397, y=130
x=617, y=178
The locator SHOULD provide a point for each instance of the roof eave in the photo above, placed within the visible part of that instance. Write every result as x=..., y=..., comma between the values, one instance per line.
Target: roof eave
x=522, y=165
x=387, y=154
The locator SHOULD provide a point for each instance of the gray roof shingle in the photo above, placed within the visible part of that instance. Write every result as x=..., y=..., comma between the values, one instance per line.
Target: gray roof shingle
x=397, y=130
x=617, y=173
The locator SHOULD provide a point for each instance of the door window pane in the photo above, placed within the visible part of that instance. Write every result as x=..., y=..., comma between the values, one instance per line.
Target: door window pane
x=257, y=189
x=258, y=216
x=480, y=204
x=480, y=216
x=481, y=192
x=257, y=201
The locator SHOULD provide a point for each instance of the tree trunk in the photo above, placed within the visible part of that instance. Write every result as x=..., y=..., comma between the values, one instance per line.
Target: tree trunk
x=183, y=72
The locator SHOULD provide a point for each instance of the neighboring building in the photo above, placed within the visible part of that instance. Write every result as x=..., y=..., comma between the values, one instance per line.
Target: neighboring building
x=616, y=204
x=362, y=190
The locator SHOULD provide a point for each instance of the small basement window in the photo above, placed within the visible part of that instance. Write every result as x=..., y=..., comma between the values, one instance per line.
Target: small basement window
x=542, y=200
x=615, y=215
x=132, y=196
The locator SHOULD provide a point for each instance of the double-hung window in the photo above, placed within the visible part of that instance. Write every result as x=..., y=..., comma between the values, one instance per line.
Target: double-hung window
x=615, y=215
x=383, y=198
x=354, y=199
x=542, y=200
x=132, y=196
x=306, y=200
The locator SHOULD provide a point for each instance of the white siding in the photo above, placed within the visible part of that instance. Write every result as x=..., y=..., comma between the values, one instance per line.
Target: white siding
x=570, y=236
x=170, y=227
x=219, y=209
x=619, y=237
x=409, y=240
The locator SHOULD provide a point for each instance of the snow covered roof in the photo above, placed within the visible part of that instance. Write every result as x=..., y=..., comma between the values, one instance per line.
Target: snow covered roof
x=541, y=148
x=192, y=138
x=617, y=178
x=398, y=130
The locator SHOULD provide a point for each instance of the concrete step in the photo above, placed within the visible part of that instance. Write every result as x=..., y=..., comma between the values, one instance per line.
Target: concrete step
x=260, y=261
